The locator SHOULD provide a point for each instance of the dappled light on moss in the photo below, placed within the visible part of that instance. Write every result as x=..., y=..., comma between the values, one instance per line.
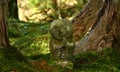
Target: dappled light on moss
x=30, y=39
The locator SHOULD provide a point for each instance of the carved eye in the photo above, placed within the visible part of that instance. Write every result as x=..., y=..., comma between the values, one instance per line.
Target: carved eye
x=66, y=28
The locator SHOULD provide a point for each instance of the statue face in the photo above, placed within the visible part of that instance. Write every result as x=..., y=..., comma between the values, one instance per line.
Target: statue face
x=61, y=29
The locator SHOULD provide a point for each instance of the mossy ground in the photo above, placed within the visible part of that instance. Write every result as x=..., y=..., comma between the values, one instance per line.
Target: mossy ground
x=11, y=60
x=107, y=60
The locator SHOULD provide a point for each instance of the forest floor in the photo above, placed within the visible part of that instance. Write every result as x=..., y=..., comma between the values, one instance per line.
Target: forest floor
x=107, y=60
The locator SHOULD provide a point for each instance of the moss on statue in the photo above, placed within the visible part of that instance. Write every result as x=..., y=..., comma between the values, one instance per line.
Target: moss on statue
x=61, y=43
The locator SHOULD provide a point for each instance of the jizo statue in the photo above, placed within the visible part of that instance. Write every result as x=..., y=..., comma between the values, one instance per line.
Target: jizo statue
x=61, y=43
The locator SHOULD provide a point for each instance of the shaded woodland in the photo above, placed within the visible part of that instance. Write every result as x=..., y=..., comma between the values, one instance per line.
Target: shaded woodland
x=59, y=36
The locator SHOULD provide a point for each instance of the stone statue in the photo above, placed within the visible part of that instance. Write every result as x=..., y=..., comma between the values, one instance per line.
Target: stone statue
x=61, y=43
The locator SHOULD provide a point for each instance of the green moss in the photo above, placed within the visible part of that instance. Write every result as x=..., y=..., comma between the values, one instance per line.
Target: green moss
x=105, y=61
x=12, y=60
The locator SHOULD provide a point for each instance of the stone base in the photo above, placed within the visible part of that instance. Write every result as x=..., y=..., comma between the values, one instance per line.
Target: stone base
x=64, y=64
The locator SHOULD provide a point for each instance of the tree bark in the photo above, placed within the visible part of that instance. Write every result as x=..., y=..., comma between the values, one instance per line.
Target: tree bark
x=4, y=41
x=97, y=26
x=13, y=9
x=56, y=5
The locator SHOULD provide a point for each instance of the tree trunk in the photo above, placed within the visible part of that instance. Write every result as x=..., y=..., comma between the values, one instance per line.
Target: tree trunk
x=13, y=9
x=56, y=5
x=97, y=26
x=4, y=41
